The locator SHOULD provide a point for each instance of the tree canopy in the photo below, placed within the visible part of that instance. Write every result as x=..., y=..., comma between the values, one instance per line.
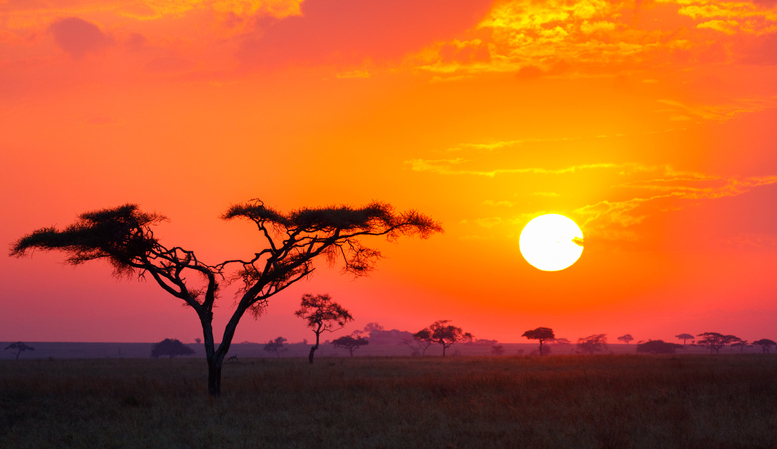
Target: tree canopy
x=765, y=344
x=170, y=347
x=541, y=333
x=322, y=315
x=715, y=341
x=350, y=343
x=657, y=347
x=685, y=337
x=276, y=346
x=444, y=334
x=291, y=242
x=19, y=347
x=626, y=338
x=592, y=344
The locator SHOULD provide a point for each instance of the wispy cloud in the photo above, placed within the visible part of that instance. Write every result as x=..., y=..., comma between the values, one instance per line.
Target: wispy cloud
x=448, y=167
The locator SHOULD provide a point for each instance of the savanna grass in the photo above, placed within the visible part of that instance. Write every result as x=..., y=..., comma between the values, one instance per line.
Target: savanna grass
x=455, y=402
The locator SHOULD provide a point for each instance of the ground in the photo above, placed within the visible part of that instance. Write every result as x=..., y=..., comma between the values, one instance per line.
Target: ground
x=613, y=401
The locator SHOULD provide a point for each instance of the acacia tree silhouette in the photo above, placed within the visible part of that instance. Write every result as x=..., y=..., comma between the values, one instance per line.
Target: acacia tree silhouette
x=19, y=347
x=541, y=333
x=322, y=315
x=765, y=344
x=443, y=333
x=715, y=341
x=685, y=337
x=350, y=343
x=123, y=236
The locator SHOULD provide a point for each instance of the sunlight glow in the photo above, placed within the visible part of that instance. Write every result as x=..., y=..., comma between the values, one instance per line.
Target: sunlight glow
x=551, y=242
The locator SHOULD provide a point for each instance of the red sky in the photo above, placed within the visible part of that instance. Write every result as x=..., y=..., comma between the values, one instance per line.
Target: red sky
x=649, y=123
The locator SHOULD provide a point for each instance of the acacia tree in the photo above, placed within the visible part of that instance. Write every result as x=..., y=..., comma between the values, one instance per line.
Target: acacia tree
x=592, y=344
x=276, y=346
x=170, y=347
x=19, y=347
x=123, y=237
x=444, y=334
x=657, y=347
x=715, y=341
x=420, y=342
x=541, y=334
x=741, y=344
x=350, y=343
x=685, y=337
x=765, y=344
x=626, y=338
x=322, y=315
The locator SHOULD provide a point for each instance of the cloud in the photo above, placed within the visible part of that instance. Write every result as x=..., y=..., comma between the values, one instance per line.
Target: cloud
x=348, y=31
x=78, y=37
x=720, y=112
x=446, y=167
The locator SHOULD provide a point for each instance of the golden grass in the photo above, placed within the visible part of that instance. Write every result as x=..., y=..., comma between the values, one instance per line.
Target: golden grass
x=700, y=402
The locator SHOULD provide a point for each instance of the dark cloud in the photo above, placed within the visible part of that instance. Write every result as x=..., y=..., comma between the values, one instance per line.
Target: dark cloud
x=79, y=37
x=353, y=30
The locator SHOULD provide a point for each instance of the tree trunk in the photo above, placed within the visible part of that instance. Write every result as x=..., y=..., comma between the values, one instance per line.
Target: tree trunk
x=313, y=349
x=214, y=378
x=540, y=348
x=443, y=350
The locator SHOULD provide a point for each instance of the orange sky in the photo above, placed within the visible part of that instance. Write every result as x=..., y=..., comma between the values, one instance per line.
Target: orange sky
x=649, y=123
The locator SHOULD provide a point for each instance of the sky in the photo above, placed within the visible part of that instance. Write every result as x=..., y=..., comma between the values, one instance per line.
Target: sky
x=649, y=123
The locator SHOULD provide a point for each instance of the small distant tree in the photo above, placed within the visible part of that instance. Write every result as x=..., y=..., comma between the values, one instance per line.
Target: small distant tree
x=497, y=350
x=420, y=342
x=350, y=343
x=741, y=345
x=322, y=315
x=19, y=347
x=765, y=344
x=170, y=347
x=657, y=347
x=626, y=338
x=592, y=344
x=444, y=334
x=685, y=337
x=276, y=346
x=541, y=334
x=715, y=341
x=198, y=340
x=372, y=327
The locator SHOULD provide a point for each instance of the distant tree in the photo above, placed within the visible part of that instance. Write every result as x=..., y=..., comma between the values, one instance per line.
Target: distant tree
x=592, y=344
x=715, y=341
x=322, y=315
x=741, y=345
x=372, y=327
x=288, y=246
x=350, y=343
x=19, y=347
x=497, y=350
x=276, y=346
x=685, y=337
x=170, y=347
x=442, y=333
x=626, y=338
x=657, y=347
x=765, y=344
x=198, y=340
x=541, y=334
x=420, y=342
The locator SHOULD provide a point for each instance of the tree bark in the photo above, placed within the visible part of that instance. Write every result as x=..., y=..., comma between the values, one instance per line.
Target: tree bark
x=214, y=378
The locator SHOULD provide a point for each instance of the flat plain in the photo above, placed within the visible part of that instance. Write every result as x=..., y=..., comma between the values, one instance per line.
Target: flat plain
x=564, y=401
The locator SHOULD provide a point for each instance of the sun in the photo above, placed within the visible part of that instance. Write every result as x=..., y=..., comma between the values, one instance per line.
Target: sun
x=551, y=242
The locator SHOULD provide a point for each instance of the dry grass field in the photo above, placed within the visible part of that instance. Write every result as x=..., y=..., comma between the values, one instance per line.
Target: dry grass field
x=621, y=401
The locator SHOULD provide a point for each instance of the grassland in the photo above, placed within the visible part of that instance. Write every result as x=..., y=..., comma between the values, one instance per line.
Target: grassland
x=622, y=401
